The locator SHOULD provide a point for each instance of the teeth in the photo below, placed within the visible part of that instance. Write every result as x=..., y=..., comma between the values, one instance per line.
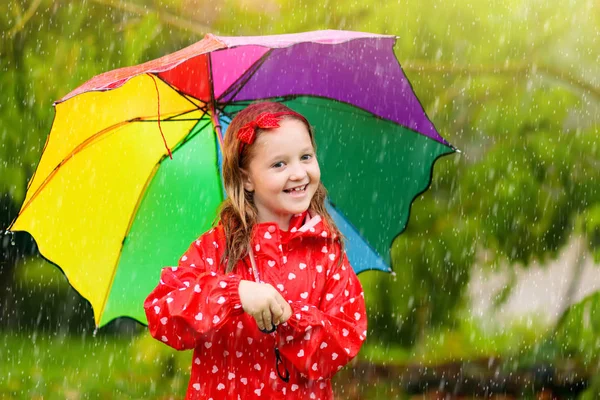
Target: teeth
x=298, y=189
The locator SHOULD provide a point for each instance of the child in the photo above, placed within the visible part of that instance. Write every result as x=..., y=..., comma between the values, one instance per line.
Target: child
x=267, y=298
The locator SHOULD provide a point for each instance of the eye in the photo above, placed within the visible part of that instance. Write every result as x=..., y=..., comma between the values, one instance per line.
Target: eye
x=277, y=165
x=306, y=157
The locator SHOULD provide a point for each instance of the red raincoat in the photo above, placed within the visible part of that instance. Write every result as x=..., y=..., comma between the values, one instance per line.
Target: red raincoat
x=197, y=306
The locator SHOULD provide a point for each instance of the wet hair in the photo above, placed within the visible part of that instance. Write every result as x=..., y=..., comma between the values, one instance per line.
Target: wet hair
x=237, y=213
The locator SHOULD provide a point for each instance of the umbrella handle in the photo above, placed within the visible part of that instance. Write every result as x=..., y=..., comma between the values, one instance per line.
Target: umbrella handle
x=273, y=329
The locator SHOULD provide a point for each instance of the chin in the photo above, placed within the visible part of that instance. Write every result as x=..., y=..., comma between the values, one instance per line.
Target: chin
x=298, y=209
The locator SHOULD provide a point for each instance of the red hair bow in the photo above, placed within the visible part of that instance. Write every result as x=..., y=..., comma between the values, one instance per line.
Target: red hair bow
x=266, y=120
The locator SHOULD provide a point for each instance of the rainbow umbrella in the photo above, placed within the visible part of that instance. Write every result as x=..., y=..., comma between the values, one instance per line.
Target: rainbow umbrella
x=110, y=206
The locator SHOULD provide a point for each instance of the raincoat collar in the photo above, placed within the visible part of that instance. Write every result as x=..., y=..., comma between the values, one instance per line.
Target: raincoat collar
x=306, y=224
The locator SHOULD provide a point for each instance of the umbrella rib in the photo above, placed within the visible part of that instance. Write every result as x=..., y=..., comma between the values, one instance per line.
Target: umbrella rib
x=80, y=147
x=182, y=94
x=185, y=140
x=212, y=105
x=175, y=117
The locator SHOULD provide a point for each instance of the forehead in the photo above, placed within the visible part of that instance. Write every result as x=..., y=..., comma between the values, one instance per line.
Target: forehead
x=291, y=134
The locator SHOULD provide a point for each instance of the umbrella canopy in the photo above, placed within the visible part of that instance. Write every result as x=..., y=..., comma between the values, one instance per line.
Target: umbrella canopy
x=110, y=207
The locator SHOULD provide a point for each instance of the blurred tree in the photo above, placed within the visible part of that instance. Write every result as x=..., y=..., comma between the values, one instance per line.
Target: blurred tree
x=511, y=84
x=516, y=90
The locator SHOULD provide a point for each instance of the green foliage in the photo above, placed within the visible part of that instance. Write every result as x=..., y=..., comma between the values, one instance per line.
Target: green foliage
x=590, y=224
x=575, y=340
x=533, y=192
x=470, y=339
x=103, y=367
x=44, y=300
x=578, y=331
x=512, y=84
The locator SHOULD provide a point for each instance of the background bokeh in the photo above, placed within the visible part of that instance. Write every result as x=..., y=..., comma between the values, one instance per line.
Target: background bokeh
x=496, y=284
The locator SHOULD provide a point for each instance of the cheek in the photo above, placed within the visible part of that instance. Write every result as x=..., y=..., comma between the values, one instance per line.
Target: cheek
x=272, y=183
x=315, y=172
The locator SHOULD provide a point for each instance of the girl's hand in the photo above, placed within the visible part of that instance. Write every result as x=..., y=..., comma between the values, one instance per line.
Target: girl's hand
x=264, y=303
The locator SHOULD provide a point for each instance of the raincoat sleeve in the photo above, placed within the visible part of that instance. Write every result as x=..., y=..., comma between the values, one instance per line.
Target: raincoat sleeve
x=192, y=300
x=319, y=341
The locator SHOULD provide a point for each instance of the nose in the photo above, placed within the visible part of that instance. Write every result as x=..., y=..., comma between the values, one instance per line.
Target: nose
x=297, y=172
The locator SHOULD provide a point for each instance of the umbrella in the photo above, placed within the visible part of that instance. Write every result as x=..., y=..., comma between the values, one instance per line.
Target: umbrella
x=130, y=174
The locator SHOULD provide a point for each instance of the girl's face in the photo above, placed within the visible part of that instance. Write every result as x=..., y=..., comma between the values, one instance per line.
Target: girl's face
x=283, y=172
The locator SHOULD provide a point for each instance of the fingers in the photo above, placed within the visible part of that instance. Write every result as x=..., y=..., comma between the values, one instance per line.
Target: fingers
x=267, y=319
x=264, y=303
x=287, y=312
x=286, y=308
x=258, y=317
x=276, y=311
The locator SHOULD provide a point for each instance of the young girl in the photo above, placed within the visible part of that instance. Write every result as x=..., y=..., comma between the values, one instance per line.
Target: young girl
x=267, y=298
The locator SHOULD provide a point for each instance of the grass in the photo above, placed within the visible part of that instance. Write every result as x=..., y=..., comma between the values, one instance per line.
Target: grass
x=86, y=367
x=468, y=341
x=51, y=366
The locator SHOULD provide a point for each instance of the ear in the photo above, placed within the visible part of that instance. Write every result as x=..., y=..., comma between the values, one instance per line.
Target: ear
x=248, y=185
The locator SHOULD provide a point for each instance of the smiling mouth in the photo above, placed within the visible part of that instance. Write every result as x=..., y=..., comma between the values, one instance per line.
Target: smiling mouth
x=298, y=189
